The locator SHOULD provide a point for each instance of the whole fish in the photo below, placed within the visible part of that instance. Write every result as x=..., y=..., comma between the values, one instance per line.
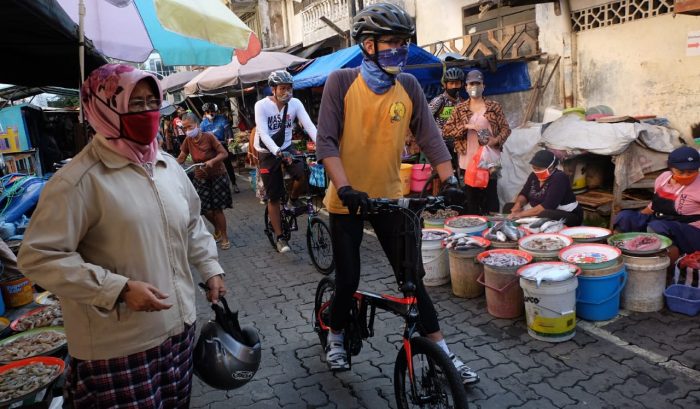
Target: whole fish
x=510, y=231
x=539, y=223
x=552, y=226
x=549, y=273
x=528, y=220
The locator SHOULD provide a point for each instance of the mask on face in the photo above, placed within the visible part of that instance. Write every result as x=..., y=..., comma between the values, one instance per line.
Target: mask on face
x=685, y=179
x=452, y=92
x=476, y=91
x=209, y=116
x=543, y=175
x=192, y=132
x=285, y=97
x=393, y=60
x=139, y=127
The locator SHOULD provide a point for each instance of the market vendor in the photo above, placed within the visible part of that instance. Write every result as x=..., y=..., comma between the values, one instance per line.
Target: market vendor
x=547, y=193
x=674, y=211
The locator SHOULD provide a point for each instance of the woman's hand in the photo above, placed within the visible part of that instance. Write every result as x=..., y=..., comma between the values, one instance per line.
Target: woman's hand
x=209, y=164
x=140, y=296
x=217, y=288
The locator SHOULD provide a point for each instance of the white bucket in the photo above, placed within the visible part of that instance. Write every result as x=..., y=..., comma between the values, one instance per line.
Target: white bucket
x=436, y=262
x=550, y=310
x=646, y=282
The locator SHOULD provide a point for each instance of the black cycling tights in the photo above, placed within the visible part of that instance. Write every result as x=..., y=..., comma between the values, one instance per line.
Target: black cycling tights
x=346, y=236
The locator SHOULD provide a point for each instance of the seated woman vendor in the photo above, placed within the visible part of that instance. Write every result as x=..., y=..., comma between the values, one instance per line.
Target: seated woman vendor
x=675, y=208
x=547, y=193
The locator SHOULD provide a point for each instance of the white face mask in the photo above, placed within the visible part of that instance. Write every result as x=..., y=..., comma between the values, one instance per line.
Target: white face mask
x=284, y=97
x=192, y=132
x=476, y=91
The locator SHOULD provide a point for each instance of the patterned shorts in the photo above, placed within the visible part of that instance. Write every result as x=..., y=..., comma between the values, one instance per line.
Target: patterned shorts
x=158, y=378
x=214, y=194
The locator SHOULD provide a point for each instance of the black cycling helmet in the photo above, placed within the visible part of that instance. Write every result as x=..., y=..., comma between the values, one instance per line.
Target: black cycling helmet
x=453, y=74
x=279, y=77
x=226, y=356
x=209, y=107
x=382, y=19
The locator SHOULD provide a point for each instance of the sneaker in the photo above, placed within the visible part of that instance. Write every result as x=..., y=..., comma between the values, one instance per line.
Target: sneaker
x=469, y=377
x=282, y=246
x=236, y=189
x=336, y=357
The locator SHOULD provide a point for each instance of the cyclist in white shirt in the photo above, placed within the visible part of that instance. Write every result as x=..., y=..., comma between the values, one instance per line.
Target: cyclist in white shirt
x=274, y=117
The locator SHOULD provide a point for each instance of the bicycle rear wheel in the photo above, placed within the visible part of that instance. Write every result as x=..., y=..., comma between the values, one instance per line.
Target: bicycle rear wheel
x=437, y=382
x=325, y=291
x=318, y=243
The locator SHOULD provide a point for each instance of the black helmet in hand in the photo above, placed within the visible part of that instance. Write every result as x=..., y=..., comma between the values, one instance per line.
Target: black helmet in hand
x=226, y=356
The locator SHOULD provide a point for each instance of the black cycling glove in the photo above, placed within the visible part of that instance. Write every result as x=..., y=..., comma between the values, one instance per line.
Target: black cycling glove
x=452, y=194
x=354, y=200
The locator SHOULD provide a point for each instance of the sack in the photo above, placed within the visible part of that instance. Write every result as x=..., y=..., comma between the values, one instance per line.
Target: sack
x=475, y=176
x=318, y=176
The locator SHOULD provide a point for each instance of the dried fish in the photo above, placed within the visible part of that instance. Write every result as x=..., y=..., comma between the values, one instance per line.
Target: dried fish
x=440, y=214
x=434, y=235
x=46, y=317
x=504, y=260
x=544, y=244
x=17, y=382
x=31, y=344
x=465, y=222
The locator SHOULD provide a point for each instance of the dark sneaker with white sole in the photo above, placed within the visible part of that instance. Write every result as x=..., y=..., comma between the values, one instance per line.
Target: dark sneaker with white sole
x=469, y=377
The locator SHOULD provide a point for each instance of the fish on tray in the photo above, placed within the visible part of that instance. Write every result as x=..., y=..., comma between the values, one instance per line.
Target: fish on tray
x=549, y=272
x=530, y=220
x=504, y=231
x=463, y=242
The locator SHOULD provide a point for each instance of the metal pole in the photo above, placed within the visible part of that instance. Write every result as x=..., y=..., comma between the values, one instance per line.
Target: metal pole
x=351, y=12
x=81, y=62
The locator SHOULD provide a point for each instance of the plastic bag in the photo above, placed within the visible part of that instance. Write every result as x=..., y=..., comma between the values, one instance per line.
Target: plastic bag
x=318, y=176
x=490, y=158
x=474, y=175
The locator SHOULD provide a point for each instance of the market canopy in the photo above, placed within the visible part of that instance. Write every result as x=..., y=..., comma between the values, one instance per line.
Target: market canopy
x=215, y=80
x=40, y=45
x=175, y=82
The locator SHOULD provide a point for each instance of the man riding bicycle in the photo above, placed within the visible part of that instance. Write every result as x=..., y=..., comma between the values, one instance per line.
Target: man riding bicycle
x=274, y=117
x=441, y=106
x=365, y=114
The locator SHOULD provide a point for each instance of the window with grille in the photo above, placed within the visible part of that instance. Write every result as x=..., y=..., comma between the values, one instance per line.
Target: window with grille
x=494, y=19
x=618, y=12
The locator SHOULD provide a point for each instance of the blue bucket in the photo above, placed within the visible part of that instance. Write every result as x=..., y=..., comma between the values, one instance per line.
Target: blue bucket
x=598, y=298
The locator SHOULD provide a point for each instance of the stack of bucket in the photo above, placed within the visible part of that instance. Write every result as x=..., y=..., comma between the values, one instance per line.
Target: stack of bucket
x=550, y=306
x=435, y=260
x=599, y=290
x=419, y=175
x=405, y=174
x=646, y=282
x=465, y=270
x=504, y=297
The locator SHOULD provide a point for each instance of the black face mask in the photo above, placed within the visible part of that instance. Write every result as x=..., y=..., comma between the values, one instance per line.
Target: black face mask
x=452, y=92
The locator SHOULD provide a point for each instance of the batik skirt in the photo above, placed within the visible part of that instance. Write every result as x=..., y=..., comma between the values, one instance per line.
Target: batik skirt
x=158, y=378
x=214, y=193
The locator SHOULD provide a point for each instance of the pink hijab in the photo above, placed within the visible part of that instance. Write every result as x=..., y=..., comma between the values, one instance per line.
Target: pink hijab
x=112, y=84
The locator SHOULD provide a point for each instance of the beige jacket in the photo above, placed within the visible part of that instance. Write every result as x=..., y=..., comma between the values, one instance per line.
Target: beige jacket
x=102, y=220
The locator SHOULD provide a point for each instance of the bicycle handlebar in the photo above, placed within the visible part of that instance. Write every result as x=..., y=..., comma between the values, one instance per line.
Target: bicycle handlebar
x=379, y=204
x=192, y=167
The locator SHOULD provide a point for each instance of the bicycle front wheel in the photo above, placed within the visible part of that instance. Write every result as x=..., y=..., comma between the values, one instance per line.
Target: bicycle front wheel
x=269, y=231
x=322, y=309
x=438, y=384
x=318, y=243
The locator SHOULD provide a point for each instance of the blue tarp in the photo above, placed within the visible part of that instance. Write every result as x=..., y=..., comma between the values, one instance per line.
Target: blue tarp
x=510, y=77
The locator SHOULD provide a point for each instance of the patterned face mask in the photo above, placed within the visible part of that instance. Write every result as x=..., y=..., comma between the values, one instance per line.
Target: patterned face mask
x=393, y=60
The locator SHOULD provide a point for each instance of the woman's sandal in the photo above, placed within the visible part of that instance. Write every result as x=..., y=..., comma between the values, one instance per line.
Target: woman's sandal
x=217, y=236
x=225, y=245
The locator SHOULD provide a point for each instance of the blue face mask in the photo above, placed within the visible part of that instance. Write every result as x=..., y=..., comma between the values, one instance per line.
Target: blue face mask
x=393, y=60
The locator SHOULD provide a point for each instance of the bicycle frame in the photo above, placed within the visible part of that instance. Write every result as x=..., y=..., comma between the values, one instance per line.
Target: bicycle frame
x=406, y=307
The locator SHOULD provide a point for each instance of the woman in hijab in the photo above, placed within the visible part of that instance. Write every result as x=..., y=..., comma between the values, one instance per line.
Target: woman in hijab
x=547, y=193
x=113, y=239
x=210, y=180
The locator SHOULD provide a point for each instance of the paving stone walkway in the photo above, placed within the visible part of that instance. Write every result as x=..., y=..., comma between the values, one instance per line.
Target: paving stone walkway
x=639, y=360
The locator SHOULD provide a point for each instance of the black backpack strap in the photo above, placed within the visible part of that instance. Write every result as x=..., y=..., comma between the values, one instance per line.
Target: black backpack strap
x=278, y=137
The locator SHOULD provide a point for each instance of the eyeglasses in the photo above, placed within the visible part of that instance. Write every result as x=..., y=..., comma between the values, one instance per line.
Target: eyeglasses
x=136, y=105
x=396, y=42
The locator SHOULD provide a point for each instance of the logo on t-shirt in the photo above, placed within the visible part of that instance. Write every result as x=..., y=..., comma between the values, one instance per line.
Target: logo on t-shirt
x=397, y=111
x=274, y=122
